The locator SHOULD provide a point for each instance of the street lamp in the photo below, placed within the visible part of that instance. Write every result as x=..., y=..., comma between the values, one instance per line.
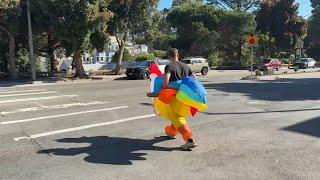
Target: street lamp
x=32, y=58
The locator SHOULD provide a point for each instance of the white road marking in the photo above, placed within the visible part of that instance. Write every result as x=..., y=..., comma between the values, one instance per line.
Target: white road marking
x=37, y=98
x=25, y=91
x=26, y=94
x=83, y=127
x=60, y=106
x=62, y=115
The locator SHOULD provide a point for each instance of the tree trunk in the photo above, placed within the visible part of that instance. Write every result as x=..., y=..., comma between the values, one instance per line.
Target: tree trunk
x=79, y=67
x=12, y=63
x=119, y=62
x=52, y=58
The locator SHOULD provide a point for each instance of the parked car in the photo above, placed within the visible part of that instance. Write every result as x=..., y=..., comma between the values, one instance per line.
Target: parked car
x=305, y=63
x=270, y=64
x=197, y=65
x=142, y=70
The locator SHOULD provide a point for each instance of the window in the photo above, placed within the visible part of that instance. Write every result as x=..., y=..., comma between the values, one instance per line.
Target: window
x=102, y=59
x=186, y=61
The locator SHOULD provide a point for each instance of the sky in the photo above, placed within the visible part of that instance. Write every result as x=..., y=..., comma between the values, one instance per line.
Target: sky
x=304, y=9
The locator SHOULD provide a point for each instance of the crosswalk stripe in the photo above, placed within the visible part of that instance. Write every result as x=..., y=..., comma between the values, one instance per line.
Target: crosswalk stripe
x=26, y=94
x=24, y=91
x=37, y=99
x=84, y=127
x=59, y=106
x=61, y=115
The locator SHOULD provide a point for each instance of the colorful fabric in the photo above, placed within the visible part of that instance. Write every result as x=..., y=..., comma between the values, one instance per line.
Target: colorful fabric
x=182, y=98
x=185, y=99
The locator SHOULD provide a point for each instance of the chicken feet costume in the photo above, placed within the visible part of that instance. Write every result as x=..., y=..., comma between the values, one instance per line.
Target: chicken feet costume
x=180, y=100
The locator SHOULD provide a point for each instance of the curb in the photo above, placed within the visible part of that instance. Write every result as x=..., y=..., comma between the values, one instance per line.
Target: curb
x=63, y=81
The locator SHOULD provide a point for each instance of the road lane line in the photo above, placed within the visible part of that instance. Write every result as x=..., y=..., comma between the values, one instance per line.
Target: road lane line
x=26, y=94
x=83, y=127
x=62, y=115
x=37, y=98
x=59, y=106
x=25, y=91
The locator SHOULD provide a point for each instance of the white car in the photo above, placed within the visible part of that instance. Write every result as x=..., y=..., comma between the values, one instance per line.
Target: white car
x=305, y=63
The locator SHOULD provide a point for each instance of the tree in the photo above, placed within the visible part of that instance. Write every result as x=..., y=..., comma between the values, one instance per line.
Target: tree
x=280, y=19
x=181, y=2
x=204, y=30
x=128, y=16
x=156, y=32
x=81, y=23
x=3, y=53
x=313, y=38
x=234, y=26
x=243, y=5
x=9, y=15
x=44, y=23
x=126, y=55
x=195, y=26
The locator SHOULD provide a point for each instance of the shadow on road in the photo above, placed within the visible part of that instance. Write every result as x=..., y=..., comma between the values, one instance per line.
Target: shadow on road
x=110, y=150
x=262, y=112
x=281, y=90
x=147, y=104
x=309, y=127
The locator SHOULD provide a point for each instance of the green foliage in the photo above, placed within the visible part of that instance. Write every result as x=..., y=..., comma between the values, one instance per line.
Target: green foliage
x=213, y=60
x=313, y=38
x=183, y=2
x=159, y=53
x=9, y=15
x=3, y=54
x=246, y=57
x=129, y=16
x=267, y=45
x=99, y=40
x=195, y=26
x=243, y=5
x=157, y=33
x=145, y=57
x=280, y=19
x=78, y=21
x=203, y=30
x=126, y=55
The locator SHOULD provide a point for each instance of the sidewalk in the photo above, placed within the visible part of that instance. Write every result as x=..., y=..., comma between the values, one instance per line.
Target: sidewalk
x=58, y=81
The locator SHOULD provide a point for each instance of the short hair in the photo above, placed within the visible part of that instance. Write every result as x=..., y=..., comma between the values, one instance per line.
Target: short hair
x=173, y=52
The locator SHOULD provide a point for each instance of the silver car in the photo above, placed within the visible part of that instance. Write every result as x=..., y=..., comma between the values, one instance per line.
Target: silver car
x=305, y=63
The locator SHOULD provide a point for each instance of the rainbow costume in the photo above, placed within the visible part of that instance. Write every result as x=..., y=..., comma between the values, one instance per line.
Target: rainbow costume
x=182, y=99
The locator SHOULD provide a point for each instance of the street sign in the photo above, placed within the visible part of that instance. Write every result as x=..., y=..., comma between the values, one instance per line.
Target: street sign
x=252, y=40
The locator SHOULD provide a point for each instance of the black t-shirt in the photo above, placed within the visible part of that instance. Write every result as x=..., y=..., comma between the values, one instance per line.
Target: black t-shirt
x=177, y=70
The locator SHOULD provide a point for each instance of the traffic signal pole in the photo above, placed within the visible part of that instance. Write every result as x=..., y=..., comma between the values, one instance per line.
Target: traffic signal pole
x=251, y=60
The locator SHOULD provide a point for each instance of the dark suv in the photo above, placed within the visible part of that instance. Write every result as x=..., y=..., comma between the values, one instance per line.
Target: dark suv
x=142, y=70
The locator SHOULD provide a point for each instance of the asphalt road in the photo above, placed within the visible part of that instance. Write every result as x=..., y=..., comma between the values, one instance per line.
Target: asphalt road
x=107, y=130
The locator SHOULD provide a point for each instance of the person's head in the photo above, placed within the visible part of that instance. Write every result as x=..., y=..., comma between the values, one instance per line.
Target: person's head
x=173, y=54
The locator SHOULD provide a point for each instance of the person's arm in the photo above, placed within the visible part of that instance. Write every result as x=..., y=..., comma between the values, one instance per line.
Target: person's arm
x=166, y=77
x=191, y=73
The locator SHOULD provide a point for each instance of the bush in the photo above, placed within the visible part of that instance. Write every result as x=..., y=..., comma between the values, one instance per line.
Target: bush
x=145, y=57
x=159, y=53
x=213, y=60
x=126, y=56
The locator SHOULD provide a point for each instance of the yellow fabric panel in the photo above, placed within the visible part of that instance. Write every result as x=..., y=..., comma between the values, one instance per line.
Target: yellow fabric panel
x=167, y=112
x=180, y=108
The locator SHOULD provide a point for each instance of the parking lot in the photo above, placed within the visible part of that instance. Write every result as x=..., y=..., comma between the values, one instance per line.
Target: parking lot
x=107, y=130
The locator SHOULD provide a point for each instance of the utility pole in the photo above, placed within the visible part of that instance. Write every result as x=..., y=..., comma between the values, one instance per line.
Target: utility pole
x=32, y=57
